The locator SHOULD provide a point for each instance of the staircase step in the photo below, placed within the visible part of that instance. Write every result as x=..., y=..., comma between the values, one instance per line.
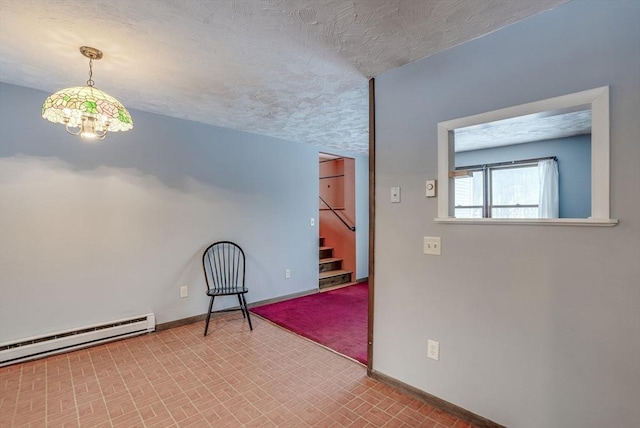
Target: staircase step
x=331, y=263
x=321, y=241
x=326, y=252
x=334, y=277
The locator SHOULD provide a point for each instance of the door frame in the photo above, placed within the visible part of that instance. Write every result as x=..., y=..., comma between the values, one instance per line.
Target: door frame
x=372, y=223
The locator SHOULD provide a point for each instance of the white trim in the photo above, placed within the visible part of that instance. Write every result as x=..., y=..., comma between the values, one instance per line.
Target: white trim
x=598, y=98
x=530, y=221
x=600, y=154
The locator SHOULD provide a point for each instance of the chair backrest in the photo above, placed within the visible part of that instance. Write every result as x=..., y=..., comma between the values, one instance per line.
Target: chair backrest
x=223, y=264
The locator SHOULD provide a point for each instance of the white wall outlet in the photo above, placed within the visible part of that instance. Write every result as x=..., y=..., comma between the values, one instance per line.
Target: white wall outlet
x=395, y=195
x=287, y=273
x=184, y=291
x=432, y=245
x=312, y=222
x=433, y=349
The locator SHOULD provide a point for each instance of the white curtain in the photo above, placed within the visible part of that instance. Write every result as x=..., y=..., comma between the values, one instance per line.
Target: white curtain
x=548, y=205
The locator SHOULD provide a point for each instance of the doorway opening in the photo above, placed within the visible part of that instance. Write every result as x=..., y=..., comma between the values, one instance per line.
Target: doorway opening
x=336, y=221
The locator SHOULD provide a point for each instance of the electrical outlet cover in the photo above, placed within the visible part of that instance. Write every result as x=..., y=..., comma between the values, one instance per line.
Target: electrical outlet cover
x=433, y=349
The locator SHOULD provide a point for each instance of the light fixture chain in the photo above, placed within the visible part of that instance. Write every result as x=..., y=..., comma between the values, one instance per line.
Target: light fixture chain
x=90, y=82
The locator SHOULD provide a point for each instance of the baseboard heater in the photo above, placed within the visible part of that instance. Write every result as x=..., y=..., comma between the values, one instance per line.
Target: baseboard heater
x=64, y=341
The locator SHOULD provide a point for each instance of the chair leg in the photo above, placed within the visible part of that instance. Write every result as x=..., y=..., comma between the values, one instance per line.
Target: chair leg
x=206, y=324
x=246, y=310
x=241, y=307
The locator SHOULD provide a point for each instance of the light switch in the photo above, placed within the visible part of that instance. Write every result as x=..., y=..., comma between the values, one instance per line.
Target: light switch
x=431, y=188
x=395, y=195
x=432, y=245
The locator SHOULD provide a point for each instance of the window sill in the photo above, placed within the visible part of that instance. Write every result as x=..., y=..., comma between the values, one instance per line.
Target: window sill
x=531, y=221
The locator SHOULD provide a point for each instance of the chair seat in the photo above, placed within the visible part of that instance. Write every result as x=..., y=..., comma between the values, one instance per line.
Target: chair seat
x=227, y=292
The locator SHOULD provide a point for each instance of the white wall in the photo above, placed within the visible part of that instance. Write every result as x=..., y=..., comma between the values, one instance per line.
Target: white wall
x=362, y=217
x=539, y=326
x=96, y=232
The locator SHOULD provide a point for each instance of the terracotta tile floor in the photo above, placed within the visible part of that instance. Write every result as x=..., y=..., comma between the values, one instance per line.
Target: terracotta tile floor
x=232, y=378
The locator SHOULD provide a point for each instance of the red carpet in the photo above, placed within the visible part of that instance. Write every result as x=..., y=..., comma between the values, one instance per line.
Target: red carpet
x=336, y=319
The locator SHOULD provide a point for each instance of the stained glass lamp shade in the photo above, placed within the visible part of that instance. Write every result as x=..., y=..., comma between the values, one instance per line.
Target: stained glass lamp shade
x=86, y=110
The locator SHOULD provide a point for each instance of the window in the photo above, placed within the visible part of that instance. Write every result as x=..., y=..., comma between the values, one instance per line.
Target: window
x=498, y=191
x=596, y=100
x=469, y=195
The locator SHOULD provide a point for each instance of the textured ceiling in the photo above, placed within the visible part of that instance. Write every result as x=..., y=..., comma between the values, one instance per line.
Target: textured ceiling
x=523, y=129
x=293, y=69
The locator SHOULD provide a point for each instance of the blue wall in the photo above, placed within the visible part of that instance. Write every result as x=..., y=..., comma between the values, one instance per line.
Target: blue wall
x=539, y=326
x=95, y=232
x=574, y=167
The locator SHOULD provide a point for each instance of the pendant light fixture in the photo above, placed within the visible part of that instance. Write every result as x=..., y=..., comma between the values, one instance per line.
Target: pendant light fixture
x=86, y=110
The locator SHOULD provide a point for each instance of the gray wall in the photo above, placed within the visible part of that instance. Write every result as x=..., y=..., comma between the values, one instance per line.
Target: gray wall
x=574, y=167
x=96, y=232
x=539, y=326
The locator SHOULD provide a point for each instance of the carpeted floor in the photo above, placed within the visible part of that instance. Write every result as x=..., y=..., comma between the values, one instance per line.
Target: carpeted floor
x=336, y=319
